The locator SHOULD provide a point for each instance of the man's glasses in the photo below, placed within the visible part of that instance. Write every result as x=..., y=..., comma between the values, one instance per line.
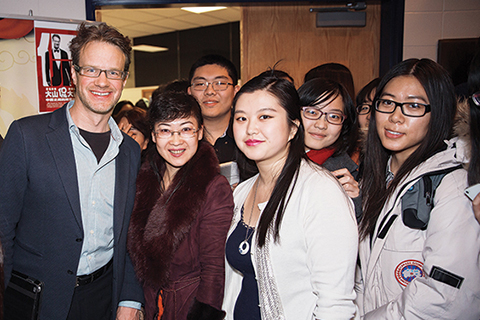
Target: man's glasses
x=92, y=72
x=216, y=85
x=409, y=109
x=314, y=113
x=185, y=133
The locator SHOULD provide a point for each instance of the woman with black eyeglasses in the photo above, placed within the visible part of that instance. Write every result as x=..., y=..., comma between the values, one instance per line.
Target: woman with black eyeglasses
x=183, y=209
x=331, y=132
x=419, y=241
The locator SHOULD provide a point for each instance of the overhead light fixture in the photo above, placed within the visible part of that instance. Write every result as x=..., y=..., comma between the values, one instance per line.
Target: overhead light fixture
x=148, y=48
x=199, y=10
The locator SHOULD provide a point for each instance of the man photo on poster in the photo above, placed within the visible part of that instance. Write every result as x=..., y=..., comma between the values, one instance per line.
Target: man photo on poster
x=57, y=67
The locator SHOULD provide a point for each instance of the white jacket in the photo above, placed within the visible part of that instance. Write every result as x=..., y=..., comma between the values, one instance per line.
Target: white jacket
x=314, y=262
x=449, y=248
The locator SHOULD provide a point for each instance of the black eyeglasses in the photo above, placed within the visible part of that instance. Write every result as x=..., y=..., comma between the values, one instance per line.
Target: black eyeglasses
x=216, y=85
x=409, y=109
x=92, y=72
x=314, y=113
x=364, y=108
x=476, y=98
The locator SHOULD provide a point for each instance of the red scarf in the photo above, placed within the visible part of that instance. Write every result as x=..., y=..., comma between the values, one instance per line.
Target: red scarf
x=320, y=156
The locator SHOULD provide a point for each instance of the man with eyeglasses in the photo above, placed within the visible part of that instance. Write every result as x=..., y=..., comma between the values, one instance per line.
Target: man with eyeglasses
x=67, y=181
x=213, y=82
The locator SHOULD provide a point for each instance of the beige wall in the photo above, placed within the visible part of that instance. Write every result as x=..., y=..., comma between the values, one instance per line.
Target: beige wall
x=427, y=21
x=288, y=33
x=18, y=94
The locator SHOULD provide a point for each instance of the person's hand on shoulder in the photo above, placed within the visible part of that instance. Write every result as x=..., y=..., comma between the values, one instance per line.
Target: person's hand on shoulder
x=348, y=182
x=476, y=207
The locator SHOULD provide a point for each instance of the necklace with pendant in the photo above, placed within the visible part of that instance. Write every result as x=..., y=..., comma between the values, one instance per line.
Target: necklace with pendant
x=244, y=246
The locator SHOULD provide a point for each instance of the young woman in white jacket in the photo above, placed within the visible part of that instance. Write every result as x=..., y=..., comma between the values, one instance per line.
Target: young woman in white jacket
x=409, y=270
x=292, y=246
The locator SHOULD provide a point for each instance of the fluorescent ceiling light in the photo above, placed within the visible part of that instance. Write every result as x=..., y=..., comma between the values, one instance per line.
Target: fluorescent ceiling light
x=147, y=48
x=202, y=9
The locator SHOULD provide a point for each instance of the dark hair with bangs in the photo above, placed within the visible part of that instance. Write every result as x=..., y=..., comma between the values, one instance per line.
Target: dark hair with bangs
x=218, y=60
x=366, y=91
x=165, y=107
x=101, y=33
x=284, y=91
x=440, y=92
x=170, y=105
x=335, y=72
x=138, y=118
x=319, y=91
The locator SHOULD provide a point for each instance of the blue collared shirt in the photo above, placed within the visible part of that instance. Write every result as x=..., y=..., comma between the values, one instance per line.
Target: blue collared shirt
x=96, y=185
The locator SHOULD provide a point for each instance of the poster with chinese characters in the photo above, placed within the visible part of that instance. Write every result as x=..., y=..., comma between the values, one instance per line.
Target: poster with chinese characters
x=53, y=58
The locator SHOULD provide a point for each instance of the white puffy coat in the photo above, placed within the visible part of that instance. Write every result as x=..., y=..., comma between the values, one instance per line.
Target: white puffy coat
x=447, y=251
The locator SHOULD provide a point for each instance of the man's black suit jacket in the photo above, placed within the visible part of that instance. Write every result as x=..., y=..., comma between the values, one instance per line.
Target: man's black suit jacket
x=40, y=219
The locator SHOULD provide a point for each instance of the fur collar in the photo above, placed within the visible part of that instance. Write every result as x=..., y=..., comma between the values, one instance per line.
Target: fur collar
x=160, y=222
x=462, y=120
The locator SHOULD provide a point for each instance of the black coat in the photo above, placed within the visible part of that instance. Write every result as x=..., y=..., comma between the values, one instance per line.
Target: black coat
x=341, y=161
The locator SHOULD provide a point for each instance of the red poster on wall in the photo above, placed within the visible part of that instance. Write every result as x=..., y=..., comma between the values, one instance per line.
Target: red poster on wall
x=55, y=86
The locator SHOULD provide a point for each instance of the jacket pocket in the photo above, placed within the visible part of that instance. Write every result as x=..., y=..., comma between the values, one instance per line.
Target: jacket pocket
x=26, y=248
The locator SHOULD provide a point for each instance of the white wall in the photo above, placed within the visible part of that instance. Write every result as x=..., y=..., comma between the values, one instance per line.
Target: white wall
x=427, y=21
x=63, y=9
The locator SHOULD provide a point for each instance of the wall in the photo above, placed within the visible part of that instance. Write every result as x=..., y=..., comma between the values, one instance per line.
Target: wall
x=18, y=95
x=63, y=9
x=18, y=86
x=427, y=21
x=288, y=33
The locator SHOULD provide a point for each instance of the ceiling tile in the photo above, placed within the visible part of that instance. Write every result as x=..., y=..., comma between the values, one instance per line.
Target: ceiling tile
x=132, y=14
x=173, y=24
x=117, y=22
x=148, y=21
x=168, y=12
x=226, y=15
x=200, y=20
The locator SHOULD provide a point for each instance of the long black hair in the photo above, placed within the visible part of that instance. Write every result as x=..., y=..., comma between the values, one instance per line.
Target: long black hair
x=286, y=94
x=473, y=87
x=320, y=91
x=440, y=92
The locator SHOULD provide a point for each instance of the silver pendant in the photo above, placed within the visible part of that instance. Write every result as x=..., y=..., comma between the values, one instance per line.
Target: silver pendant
x=244, y=247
